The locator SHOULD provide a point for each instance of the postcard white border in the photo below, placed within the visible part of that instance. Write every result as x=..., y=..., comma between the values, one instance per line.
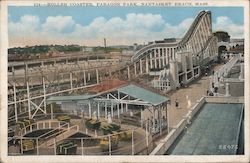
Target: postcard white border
x=158, y=158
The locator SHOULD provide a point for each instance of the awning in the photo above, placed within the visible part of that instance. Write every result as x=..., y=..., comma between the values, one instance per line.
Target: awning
x=143, y=94
x=69, y=98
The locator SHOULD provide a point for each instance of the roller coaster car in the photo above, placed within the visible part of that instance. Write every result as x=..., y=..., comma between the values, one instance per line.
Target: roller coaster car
x=110, y=128
x=25, y=122
x=28, y=121
x=125, y=135
x=67, y=148
x=11, y=132
x=28, y=145
x=64, y=118
x=104, y=143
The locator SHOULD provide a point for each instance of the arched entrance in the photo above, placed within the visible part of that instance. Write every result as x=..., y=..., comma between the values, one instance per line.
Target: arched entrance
x=221, y=49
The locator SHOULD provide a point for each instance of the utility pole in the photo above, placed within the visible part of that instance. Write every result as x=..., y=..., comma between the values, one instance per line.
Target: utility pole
x=105, y=45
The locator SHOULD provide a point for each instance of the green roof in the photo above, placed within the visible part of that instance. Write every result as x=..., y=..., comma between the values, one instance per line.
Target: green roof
x=131, y=90
x=69, y=98
x=143, y=94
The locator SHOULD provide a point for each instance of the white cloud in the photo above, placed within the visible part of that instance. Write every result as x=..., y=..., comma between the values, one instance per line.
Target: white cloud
x=145, y=21
x=58, y=24
x=224, y=23
x=27, y=25
x=178, y=30
x=133, y=28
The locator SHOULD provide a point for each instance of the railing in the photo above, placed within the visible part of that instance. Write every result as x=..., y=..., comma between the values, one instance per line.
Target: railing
x=58, y=128
x=63, y=134
x=223, y=72
x=146, y=48
x=41, y=125
x=223, y=99
x=53, y=93
x=75, y=69
x=161, y=84
x=139, y=142
x=57, y=60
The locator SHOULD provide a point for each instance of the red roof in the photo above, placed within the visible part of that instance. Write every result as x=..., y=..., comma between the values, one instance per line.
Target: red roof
x=107, y=85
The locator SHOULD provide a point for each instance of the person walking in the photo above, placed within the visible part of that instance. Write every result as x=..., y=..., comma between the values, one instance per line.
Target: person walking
x=176, y=103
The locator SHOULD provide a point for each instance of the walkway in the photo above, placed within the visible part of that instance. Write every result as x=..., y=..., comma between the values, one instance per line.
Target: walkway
x=187, y=97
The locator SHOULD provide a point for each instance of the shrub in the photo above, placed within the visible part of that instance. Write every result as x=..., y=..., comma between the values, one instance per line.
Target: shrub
x=125, y=136
x=109, y=129
x=104, y=143
x=115, y=127
x=93, y=124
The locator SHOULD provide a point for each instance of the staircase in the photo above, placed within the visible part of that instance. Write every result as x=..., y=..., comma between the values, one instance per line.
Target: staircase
x=66, y=133
x=227, y=67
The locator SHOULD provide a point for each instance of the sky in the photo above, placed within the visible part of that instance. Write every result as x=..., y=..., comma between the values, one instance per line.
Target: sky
x=119, y=25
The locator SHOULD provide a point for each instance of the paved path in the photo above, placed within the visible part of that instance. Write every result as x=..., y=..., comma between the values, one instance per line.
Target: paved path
x=187, y=97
